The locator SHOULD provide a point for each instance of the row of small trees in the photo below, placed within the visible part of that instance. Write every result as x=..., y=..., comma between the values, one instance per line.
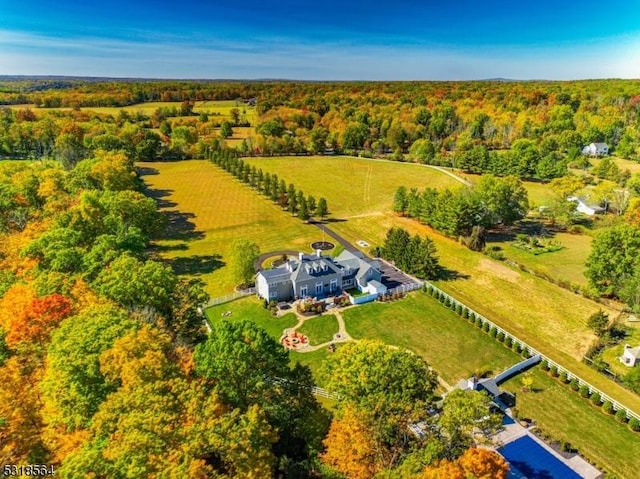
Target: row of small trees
x=594, y=397
x=288, y=197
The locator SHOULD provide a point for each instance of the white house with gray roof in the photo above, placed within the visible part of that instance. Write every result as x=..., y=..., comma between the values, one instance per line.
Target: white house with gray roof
x=596, y=149
x=317, y=276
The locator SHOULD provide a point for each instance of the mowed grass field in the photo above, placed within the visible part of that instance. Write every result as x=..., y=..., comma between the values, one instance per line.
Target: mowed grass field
x=551, y=319
x=567, y=264
x=451, y=345
x=352, y=186
x=208, y=209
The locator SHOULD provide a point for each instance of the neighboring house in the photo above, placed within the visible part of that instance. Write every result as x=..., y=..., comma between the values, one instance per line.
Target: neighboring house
x=314, y=275
x=585, y=207
x=631, y=356
x=596, y=149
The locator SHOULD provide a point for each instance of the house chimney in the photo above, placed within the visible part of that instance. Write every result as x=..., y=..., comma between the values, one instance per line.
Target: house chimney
x=319, y=252
x=471, y=383
x=301, y=256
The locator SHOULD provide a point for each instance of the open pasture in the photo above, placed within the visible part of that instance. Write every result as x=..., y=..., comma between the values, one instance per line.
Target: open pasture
x=207, y=209
x=352, y=186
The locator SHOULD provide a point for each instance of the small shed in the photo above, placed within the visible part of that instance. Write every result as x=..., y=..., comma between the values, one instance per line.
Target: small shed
x=376, y=287
x=630, y=356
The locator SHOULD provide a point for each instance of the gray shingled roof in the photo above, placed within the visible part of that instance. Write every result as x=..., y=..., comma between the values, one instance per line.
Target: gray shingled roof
x=276, y=273
x=305, y=270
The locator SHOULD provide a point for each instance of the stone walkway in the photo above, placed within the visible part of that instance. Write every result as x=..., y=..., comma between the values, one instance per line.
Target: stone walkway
x=342, y=336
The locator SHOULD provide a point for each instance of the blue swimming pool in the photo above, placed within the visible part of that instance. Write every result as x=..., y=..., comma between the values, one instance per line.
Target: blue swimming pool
x=530, y=460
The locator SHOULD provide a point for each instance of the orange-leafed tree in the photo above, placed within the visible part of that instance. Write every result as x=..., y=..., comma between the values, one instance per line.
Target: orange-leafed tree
x=484, y=464
x=350, y=447
x=475, y=463
x=35, y=323
x=20, y=419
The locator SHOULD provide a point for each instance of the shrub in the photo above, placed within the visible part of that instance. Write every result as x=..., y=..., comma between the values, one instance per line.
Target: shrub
x=544, y=364
x=554, y=371
x=493, y=332
x=584, y=391
x=472, y=317
x=621, y=415
x=500, y=336
x=479, y=322
x=607, y=407
x=508, y=341
x=564, y=379
x=447, y=302
x=575, y=385
x=596, y=399
x=459, y=310
x=516, y=347
x=485, y=327
x=634, y=424
x=465, y=313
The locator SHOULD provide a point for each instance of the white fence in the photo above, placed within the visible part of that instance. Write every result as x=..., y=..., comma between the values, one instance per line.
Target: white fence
x=229, y=297
x=405, y=288
x=534, y=352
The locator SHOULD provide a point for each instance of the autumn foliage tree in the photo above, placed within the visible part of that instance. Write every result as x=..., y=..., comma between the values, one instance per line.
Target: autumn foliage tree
x=350, y=448
x=476, y=462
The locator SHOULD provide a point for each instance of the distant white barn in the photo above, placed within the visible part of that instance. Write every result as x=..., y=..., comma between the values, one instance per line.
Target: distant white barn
x=586, y=208
x=596, y=149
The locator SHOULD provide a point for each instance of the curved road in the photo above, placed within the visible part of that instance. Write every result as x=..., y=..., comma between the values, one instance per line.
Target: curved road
x=257, y=264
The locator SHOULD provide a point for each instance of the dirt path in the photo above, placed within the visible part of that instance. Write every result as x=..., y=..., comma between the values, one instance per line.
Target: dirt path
x=342, y=336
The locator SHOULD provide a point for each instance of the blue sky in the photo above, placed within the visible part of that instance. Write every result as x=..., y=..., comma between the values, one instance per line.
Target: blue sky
x=323, y=39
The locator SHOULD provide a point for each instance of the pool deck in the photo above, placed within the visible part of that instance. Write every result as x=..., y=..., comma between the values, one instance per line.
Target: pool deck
x=515, y=431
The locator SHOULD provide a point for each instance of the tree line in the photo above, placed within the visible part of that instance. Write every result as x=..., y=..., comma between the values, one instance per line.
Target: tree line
x=529, y=129
x=287, y=197
x=490, y=202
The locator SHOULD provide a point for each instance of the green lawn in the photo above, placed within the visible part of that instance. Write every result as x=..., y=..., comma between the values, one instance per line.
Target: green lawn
x=320, y=329
x=352, y=186
x=251, y=308
x=564, y=415
x=208, y=209
x=566, y=264
x=549, y=318
x=451, y=345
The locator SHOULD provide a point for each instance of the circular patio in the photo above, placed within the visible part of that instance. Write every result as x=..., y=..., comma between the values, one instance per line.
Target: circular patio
x=322, y=245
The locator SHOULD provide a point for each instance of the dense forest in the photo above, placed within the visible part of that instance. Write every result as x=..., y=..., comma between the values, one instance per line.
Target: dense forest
x=526, y=129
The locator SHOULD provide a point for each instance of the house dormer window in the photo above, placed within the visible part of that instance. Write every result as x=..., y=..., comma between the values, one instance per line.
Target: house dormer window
x=324, y=267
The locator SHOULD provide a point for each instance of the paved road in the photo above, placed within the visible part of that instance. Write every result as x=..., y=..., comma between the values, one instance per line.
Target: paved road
x=340, y=239
x=258, y=262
